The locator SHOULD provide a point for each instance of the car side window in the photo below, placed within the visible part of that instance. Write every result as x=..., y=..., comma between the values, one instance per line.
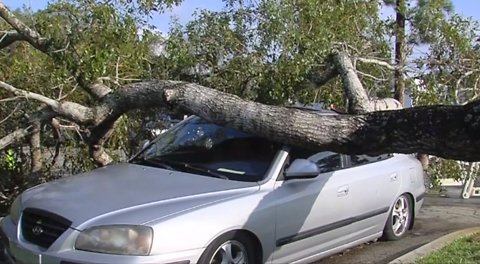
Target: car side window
x=325, y=160
x=357, y=160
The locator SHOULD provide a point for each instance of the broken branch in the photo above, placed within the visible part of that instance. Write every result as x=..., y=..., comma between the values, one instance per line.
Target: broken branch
x=377, y=62
x=9, y=37
x=30, y=35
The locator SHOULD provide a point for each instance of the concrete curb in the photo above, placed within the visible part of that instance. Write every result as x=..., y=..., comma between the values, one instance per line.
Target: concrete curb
x=436, y=244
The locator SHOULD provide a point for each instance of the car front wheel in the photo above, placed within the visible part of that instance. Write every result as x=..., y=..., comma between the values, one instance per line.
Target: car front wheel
x=231, y=248
x=400, y=218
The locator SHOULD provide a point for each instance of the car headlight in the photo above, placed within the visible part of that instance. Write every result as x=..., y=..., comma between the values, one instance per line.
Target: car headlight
x=16, y=209
x=116, y=239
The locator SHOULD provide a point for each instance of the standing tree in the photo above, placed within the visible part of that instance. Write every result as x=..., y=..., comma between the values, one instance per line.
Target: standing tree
x=427, y=35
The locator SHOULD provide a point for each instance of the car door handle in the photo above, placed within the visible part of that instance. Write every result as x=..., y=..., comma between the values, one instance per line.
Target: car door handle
x=342, y=191
x=393, y=177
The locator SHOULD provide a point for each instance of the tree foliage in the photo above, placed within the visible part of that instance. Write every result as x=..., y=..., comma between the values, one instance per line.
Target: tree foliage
x=266, y=50
x=440, y=61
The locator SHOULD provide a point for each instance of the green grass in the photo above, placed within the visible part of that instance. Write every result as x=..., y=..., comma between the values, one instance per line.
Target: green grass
x=462, y=251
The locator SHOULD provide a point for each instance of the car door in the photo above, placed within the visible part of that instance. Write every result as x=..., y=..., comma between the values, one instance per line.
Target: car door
x=373, y=186
x=310, y=212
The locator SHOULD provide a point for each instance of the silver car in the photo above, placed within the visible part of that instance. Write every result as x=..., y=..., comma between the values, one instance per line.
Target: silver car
x=202, y=193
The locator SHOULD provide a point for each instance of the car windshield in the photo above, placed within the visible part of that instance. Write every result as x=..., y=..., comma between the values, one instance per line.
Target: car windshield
x=200, y=147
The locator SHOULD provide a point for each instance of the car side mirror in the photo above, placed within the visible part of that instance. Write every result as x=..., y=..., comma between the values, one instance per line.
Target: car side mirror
x=302, y=169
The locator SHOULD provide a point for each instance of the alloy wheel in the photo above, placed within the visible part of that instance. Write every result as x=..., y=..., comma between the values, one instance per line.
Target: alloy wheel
x=400, y=216
x=230, y=252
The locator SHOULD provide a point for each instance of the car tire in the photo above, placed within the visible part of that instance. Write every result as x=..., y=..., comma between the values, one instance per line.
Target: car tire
x=230, y=248
x=399, y=219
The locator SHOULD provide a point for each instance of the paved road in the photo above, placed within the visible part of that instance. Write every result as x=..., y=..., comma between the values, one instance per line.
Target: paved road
x=439, y=216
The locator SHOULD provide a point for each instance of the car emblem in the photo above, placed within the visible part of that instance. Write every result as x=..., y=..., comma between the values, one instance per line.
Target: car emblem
x=37, y=230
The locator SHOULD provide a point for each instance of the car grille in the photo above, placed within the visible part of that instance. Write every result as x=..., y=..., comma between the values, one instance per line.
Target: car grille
x=42, y=228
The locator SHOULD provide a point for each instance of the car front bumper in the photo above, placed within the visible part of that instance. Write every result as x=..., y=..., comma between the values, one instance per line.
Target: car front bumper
x=14, y=250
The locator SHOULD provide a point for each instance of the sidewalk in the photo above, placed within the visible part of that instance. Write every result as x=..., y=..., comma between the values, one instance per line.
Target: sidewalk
x=449, y=207
x=437, y=244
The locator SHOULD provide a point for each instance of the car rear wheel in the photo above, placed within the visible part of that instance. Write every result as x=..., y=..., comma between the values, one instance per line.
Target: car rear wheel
x=400, y=218
x=231, y=248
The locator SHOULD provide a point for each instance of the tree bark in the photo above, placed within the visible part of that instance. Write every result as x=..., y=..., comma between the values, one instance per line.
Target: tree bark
x=358, y=101
x=444, y=131
x=36, y=159
x=399, y=74
x=98, y=137
x=423, y=158
x=14, y=136
x=41, y=116
x=28, y=34
x=10, y=37
x=320, y=78
x=400, y=51
x=55, y=125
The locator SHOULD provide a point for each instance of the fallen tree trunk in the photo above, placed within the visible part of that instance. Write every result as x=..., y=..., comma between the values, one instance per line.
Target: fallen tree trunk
x=445, y=131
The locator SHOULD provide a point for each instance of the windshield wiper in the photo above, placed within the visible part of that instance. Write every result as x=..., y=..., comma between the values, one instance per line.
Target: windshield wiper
x=177, y=165
x=205, y=170
x=202, y=170
x=156, y=163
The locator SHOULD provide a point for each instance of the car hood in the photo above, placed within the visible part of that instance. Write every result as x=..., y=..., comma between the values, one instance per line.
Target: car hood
x=114, y=191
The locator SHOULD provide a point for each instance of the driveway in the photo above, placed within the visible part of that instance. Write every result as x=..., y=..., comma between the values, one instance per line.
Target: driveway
x=439, y=216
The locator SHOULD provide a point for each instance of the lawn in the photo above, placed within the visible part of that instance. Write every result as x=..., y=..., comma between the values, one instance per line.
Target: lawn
x=462, y=251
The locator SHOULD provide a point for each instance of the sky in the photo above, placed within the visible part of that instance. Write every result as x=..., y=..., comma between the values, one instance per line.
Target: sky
x=185, y=11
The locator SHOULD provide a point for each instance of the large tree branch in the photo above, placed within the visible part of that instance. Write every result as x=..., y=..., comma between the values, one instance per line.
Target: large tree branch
x=30, y=35
x=14, y=136
x=97, y=139
x=24, y=32
x=320, y=78
x=383, y=64
x=41, y=116
x=339, y=63
x=71, y=110
x=36, y=157
x=356, y=94
x=96, y=89
x=10, y=37
x=445, y=131
x=99, y=89
x=58, y=138
x=29, y=95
